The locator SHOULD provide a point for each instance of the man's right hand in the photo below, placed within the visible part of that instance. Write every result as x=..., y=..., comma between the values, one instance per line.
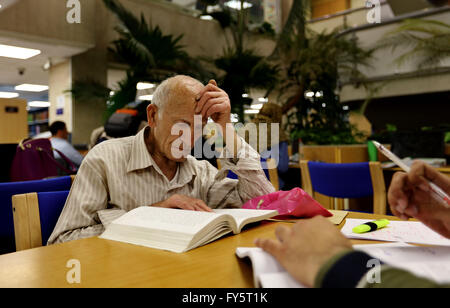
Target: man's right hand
x=410, y=196
x=185, y=203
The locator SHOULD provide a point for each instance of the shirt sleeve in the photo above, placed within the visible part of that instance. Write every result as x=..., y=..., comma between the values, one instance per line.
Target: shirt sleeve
x=73, y=154
x=86, y=210
x=252, y=182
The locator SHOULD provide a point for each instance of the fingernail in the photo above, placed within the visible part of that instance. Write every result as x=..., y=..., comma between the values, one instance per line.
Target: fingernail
x=401, y=205
x=412, y=211
x=424, y=187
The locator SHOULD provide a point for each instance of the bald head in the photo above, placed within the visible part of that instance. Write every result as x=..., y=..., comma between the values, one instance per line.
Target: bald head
x=176, y=90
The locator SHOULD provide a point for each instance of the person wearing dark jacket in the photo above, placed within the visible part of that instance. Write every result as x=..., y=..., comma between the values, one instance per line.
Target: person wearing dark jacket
x=317, y=254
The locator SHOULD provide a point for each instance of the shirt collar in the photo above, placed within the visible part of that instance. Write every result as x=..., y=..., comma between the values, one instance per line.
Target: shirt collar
x=140, y=158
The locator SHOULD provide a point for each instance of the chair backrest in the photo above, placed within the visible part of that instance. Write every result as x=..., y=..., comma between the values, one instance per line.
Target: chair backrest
x=35, y=217
x=354, y=180
x=7, y=190
x=269, y=167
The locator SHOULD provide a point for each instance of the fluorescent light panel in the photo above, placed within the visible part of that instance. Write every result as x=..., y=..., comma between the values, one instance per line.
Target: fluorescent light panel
x=39, y=104
x=251, y=111
x=146, y=97
x=257, y=106
x=31, y=88
x=206, y=17
x=234, y=4
x=8, y=95
x=17, y=52
x=144, y=86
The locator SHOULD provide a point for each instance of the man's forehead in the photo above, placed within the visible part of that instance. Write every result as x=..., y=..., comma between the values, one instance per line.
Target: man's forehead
x=186, y=84
x=184, y=93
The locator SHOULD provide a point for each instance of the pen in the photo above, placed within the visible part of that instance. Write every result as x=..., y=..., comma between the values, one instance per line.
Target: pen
x=371, y=226
x=438, y=193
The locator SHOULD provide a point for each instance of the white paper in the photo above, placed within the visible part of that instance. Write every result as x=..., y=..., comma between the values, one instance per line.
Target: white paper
x=267, y=272
x=429, y=262
x=397, y=231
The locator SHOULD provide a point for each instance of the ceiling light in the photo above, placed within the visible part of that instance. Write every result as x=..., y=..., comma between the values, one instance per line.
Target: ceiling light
x=146, y=97
x=145, y=86
x=245, y=95
x=8, y=95
x=345, y=108
x=39, y=104
x=17, y=52
x=206, y=17
x=251, y=111
x=263, y=99
x=310, y=94
x=234, y=4
x=257, y=106
x=31, y=88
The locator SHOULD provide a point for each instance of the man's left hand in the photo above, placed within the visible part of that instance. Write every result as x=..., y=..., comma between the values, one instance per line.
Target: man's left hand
x=303, y=249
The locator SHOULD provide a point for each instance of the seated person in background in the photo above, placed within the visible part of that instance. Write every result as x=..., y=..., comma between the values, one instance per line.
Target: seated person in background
x=316, y=253
x=146, y=170
x=272, y=113
x=59, y=142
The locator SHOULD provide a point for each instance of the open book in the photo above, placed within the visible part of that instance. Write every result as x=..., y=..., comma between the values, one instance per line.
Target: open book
x=179, y=230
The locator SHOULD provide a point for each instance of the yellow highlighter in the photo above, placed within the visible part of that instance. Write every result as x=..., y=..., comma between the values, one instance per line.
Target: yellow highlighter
x=371, y=226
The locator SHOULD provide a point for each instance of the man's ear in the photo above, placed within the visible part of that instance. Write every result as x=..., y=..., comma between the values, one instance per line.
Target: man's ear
x=152, y=114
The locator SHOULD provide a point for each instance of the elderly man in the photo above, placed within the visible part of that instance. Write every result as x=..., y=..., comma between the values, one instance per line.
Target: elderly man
x=147, y=170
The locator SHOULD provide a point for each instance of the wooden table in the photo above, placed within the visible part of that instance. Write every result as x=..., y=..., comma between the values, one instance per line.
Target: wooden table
x=113, y=264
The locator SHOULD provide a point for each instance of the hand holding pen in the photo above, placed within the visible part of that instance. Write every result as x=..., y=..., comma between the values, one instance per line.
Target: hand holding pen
x=410, y=196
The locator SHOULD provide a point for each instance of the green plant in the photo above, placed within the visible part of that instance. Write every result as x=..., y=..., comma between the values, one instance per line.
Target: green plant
x=316, y=63
x=149, y=55
x=428, y=40
x=242, y=68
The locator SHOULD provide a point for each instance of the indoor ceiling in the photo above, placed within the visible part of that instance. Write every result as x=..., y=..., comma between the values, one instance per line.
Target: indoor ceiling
x=14, y=72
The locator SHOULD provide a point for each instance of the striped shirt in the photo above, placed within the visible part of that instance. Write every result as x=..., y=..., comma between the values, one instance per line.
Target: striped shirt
x=119, y=175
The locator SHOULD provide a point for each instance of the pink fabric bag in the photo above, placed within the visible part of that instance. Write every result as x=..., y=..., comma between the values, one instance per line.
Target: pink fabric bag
x=295, y=202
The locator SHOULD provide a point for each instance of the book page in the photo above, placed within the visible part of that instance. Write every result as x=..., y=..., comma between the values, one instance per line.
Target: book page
x=397, y=231
x=267, y=272
x=172, y=220
x=428, y=262
x=245, y=216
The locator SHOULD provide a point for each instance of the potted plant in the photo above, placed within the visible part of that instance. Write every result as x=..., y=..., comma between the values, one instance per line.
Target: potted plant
x=312, y=66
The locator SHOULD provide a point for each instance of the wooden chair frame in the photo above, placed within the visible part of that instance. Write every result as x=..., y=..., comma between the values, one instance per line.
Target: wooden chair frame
x=378, y=184
x=27, y=221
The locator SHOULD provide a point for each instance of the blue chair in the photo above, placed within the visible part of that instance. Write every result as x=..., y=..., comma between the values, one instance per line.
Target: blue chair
x=7, y=190
x=35, y=217
x=354, y=180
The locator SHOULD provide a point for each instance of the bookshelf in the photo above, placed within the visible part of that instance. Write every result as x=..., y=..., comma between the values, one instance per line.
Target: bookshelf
x=38, y=121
